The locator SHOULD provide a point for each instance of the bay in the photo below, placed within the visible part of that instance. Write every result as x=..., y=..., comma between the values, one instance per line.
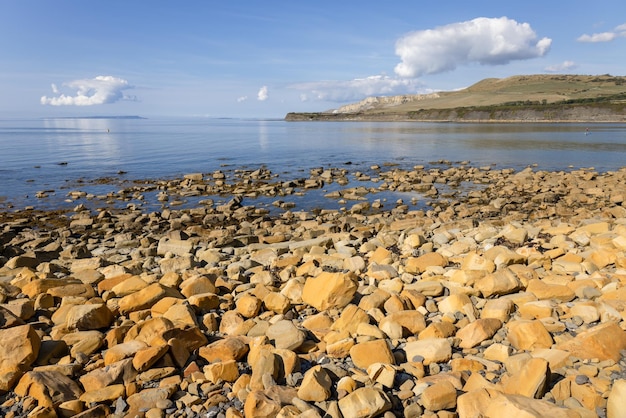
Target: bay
x=58, y=155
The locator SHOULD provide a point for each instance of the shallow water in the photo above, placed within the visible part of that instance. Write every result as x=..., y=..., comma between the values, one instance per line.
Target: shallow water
x=53, y=154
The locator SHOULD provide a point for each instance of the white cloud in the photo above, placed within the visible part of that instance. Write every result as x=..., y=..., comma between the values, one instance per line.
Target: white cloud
x=88, y=92
x=597, y=37
x=564, y=66
x=487, y=41
x=242, y=99
x=357, y=89
x=619, y=31
x=263, y=94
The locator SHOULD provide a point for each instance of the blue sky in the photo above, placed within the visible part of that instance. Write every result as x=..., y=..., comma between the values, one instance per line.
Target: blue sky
x=266, y=58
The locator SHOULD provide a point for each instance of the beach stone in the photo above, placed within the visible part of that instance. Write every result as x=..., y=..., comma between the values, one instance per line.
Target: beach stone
x=441, y=395
x=258, y=404
x=120, y=372
x=418, y=265
x=147, y=398
x=531, y=380
x=476, y=262
x=366, y=353
x=548, y=291
x=478, y=331
x=603, y=342
x=143, y=299
x=351, y=317
x=197, y=285
x=501, y=282
x=329, y=290
x=432, y=350
x=19, y=348
x=498, y=309
x=616, y=403
x=277, y=303
x=222, y=371
x=528, y=335
x=503, y=405
x=106, y=394
x=285, y=335
x=458, y=302
x=124, y=350
x=366, y=402
x=408, y=322
x=49, y=388
x=382, y=373
x=316, y=385
x=146, y=357
x=204, y=302
x=438, y=330
x=89, y=317
x=248, y=306
x=537, y=309
x=229, y=348
x=129, y=286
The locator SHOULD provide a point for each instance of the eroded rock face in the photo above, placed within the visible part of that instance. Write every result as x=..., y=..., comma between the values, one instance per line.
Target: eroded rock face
x=508, y=299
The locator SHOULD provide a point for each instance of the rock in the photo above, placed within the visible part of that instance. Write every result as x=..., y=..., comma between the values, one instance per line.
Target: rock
x=603, y=342
x=106, y=394
x=222, y=371
x=48, y=388
x=316, y=385
x=478, y=331
x=616, y=404
x=531, y=380
x=258, y=404
x=19, y=348
x=364, y=402
x=501, y=282
x=432, y=350
x=329, y=290
x=248, y=306
x=121, y=351
x=516, y=405
x=229, y=348
x=144, y=299
x=417, y=265
x=286, y=335
x=441, y=395
x=528, y=335
x=89, y=317
x=369, y=352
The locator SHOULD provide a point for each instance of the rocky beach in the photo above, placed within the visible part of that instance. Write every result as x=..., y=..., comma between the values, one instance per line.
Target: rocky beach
x=505, y=295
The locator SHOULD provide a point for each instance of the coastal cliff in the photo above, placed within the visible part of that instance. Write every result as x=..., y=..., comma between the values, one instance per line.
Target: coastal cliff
x=532, y=98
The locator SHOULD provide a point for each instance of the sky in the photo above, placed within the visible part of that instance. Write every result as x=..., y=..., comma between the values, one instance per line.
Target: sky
x=262, y=59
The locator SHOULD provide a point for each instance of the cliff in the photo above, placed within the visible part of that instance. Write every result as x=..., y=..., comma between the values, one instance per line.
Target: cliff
x=530, y=98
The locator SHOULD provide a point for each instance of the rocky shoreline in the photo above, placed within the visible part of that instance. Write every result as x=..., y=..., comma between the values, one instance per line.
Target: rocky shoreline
x=507, y=297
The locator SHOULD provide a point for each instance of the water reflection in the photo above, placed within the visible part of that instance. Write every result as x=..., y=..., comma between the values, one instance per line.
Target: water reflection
x=84, y=139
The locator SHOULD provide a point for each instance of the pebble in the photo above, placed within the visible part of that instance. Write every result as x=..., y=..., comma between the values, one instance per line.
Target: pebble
x=508, y=298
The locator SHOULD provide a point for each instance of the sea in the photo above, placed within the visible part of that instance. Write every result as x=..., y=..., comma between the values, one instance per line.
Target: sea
x=52, y=157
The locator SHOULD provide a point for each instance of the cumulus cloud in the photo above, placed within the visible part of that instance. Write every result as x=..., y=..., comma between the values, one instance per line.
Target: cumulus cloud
x=562, y=67
x=487, y=41
x=357, y=89
x=619, y=31
x=242, y=99
x=263, y=94
x=88, y=92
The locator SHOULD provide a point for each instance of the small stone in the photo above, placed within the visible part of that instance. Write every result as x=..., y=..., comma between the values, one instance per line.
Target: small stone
x=366, y=402
x=366, y=353
x=441, y=395
x=329, y=290
x=432, y=350
x=316, y=385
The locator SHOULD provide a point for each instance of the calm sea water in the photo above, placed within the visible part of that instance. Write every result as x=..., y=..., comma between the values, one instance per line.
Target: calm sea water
x=52, y=154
